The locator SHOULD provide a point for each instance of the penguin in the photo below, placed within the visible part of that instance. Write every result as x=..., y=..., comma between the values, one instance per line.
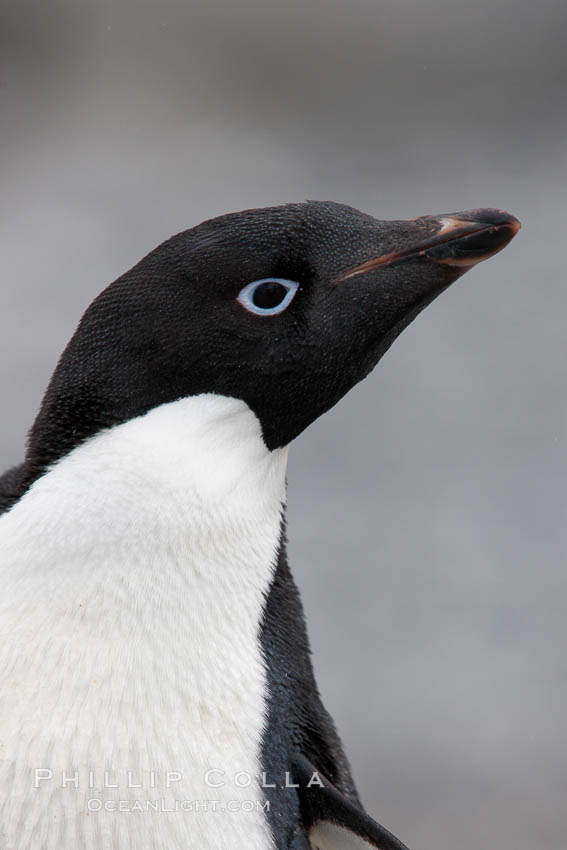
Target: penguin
x=157, y=688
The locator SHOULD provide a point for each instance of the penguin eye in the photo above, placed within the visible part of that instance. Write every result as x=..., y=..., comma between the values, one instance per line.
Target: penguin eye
x=268, y=296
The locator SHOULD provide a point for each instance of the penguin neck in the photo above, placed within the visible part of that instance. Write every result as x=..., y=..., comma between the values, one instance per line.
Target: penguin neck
x=195, y=471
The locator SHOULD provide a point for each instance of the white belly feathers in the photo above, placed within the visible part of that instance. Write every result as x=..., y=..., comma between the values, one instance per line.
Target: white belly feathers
x=132, y=578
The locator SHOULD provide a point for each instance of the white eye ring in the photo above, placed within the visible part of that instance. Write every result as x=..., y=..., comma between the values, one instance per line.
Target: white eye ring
x=246, y=296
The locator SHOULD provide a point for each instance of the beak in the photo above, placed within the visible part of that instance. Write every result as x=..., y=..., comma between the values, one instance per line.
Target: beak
x=459, y=240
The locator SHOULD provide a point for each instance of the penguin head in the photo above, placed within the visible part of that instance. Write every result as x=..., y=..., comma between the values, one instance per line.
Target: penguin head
x=285, y=308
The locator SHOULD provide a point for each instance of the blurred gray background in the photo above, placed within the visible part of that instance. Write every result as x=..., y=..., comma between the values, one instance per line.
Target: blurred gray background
x=427, y=511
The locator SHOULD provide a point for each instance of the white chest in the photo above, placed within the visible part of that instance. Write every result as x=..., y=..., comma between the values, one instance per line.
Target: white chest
x=134, y=575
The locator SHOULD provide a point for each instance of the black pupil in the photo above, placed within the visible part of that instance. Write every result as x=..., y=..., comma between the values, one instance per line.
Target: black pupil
x=269, y=294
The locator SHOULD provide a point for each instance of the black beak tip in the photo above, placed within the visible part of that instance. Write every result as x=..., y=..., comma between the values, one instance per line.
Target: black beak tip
x=467, y=238
x=490, y=218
